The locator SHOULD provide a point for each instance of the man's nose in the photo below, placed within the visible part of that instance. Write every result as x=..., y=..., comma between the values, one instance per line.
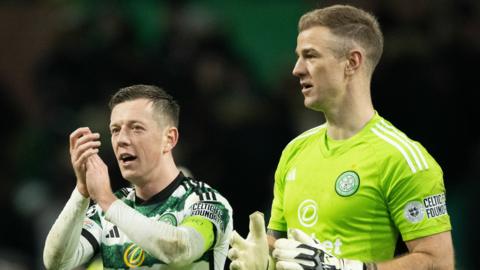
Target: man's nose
x=123, y=137
x=299, y=68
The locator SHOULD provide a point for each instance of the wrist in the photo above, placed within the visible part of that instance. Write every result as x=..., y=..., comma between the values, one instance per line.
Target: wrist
x=82, y=189
x=106, y=201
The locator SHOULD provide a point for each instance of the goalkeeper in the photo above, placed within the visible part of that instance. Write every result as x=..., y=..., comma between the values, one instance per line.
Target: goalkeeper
x=164, y=221
x=346, y=191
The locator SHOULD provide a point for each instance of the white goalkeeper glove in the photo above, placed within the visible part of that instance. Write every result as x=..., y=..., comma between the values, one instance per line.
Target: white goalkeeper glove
x=301, y=252
x=250, y=253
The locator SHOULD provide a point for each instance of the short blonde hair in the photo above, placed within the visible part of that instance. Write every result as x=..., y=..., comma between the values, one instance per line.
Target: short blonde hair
x=349, y=23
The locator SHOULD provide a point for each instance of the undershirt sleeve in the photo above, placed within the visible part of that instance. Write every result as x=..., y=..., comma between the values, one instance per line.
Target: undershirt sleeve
x=173, y=245
x=64, y=246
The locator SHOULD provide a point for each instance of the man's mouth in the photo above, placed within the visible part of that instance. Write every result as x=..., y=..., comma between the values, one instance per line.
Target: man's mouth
x=127, y=158
x=306, y=85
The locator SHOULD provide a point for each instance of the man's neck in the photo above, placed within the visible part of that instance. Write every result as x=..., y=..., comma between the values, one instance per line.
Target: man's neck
x=349, y=115
x=156, y=181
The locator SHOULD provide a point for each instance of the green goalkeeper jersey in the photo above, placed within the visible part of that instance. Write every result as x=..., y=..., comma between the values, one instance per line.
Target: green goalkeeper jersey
x=358, y=195
x=183, y=199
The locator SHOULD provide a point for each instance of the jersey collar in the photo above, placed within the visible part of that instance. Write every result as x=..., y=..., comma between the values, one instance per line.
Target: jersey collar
x=331, y=147
x=164, y=194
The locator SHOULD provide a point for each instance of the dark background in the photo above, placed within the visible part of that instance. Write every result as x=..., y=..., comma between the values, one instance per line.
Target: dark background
x=229, y=65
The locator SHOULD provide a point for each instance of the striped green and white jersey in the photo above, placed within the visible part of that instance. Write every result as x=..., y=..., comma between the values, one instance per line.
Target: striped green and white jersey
x=182, y=199
x=358, y=195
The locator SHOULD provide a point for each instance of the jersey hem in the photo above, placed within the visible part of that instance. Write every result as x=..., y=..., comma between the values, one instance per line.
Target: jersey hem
x=424, y=233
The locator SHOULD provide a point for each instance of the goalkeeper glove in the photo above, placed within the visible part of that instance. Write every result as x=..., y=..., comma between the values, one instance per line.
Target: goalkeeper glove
x=250, y=253
x=301, y=252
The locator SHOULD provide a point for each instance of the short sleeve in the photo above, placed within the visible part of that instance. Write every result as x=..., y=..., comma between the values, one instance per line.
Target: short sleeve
x=417, y=204
x=210, y=205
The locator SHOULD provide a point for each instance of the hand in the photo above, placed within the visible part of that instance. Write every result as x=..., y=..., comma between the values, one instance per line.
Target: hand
x=83, y=144
x=98, y=182
x=301, y=252
x=252, y=253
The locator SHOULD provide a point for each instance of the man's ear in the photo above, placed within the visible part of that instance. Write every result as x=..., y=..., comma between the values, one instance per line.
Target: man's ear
x=171, y=137
x=355, y=59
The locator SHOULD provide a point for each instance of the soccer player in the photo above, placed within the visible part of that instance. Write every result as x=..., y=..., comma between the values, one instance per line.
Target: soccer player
x=346, y=190
x=165, y=220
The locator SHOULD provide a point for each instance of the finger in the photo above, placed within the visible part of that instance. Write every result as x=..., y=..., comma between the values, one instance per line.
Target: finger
x=82, y=148
x=284, y=243
x=98, y=160
x=86, y=138
x=232, y=254
x=237, y=241
x=292, y=255
x=301, y=237
x=257, y=226
x=282, y=265
x=84, y=157
x=237, y=265
x=75, y=135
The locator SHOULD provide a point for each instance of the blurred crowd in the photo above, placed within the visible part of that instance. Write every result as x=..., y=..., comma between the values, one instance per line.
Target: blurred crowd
x=60, y=62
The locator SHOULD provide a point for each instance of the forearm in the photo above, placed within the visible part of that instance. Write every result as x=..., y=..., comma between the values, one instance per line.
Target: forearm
x=63, y=239
x=173, y=245
x=417, y=261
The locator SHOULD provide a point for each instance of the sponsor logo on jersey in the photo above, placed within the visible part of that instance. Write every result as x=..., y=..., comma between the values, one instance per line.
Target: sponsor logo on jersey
x=292, y=174
x=169, y=218
x=332, y=247
x=133, y=256
x=430, y=207
x=414, y=211
x=347, y=183
x=308, y=213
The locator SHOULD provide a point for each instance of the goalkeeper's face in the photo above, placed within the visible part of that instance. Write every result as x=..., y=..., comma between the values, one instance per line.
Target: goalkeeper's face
x=138, y=140
x=319, y=67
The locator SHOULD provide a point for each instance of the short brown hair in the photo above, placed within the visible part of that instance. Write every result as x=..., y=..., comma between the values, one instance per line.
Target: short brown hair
x=163, y=103
x=348, y=22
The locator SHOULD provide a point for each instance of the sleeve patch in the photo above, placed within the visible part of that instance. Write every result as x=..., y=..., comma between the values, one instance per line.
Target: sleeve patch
x=214, y=212
x=430, y=207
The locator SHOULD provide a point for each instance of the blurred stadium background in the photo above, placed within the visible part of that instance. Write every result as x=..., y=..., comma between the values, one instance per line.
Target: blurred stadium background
x=229, y=65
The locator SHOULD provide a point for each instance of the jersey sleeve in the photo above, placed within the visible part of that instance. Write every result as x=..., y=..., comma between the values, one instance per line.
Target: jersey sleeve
x=417, y=201
x=277, y=219
x=210, y=214
x=206, y=207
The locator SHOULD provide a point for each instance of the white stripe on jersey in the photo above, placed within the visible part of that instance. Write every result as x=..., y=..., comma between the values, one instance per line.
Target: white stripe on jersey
x=308, y=133
x=422, y=157
x=396, y=145
x=403, y=141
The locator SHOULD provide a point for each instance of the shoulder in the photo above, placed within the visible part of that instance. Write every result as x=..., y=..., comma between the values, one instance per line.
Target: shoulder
x=199, y=191
x=207, y=202
x=305, y=137
x=394, y=147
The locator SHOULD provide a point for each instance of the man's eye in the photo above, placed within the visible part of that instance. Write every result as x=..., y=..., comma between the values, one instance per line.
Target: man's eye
x=114, y=130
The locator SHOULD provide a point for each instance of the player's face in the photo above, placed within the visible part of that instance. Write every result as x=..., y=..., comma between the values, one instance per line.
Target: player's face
x=137, y=139
x=320, y=71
